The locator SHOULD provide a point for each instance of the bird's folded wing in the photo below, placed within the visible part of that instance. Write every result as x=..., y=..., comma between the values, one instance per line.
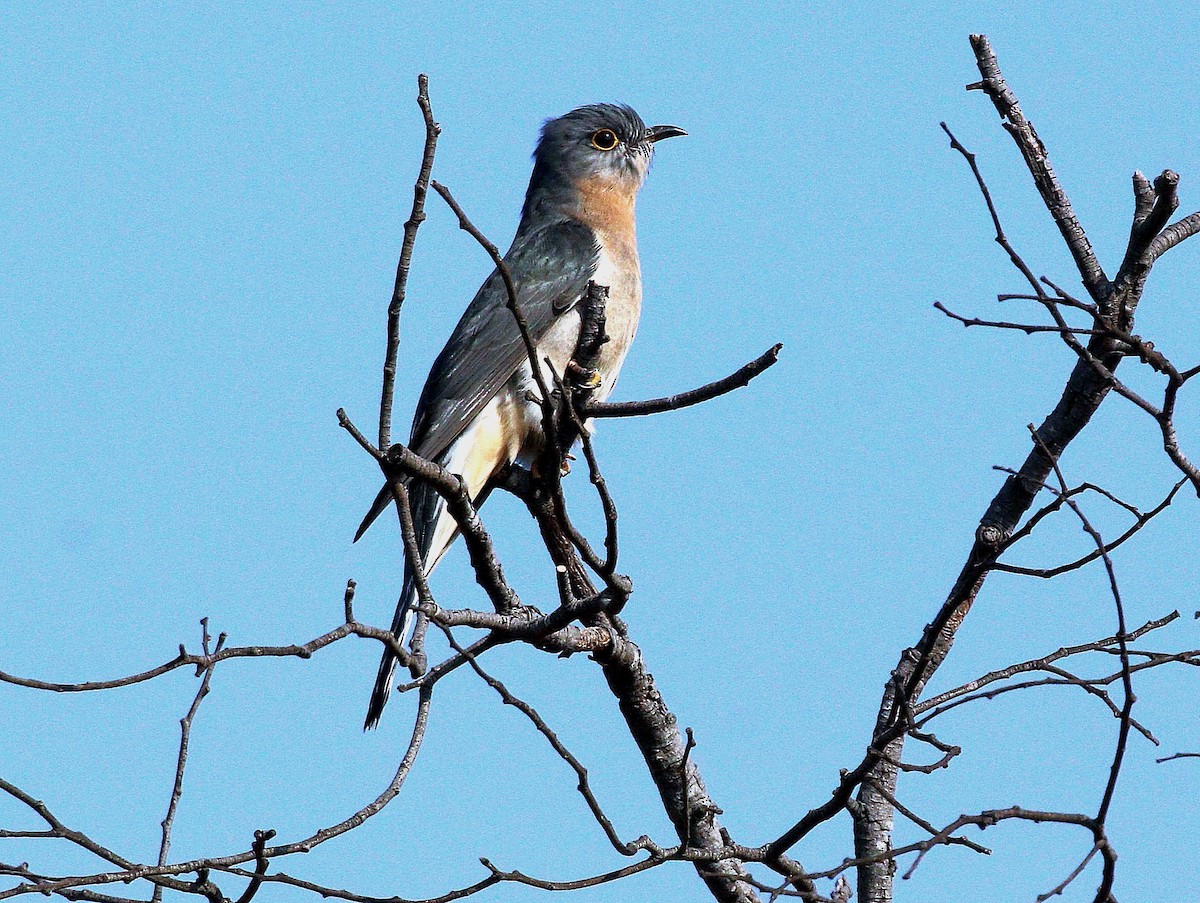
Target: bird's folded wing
x=550, y=269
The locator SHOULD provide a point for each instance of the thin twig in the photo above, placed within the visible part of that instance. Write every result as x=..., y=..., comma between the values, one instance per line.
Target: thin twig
x=130, y=871
x=1178, y=755
x=416, y=217
x=201, y=661
x=514, y=305
x=185, y=732
x=735, y=380
x=1140, y=521
x=584, y=787
x=261, y=862
x=1114, y=773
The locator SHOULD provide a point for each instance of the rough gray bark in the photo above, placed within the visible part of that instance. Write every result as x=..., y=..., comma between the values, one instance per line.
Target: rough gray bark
x=1086, y=388
x=653, y=727
x=656, y=733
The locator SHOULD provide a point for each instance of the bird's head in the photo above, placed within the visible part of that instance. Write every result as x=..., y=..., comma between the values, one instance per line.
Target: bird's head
x=605, y=146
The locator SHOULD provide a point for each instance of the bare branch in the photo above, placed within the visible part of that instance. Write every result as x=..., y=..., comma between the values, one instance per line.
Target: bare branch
x=261, y=838
x=1173, y=235
x=1126, y=680
x=926, y=825
x=578, y=883
x=514, y=305
x=342, y=894
x=1038, y=163
x=201, y=661
x=400, y=460
x=1140, y=521
x=185, y=732
x=1089, y=383
x=656, y=733
x=130, y=871
x=420, y=189
x=1075, y=873
x=1001, y=238
x=1178, y=755
x=735, y=380
x=585, y=789
x=1027, y=328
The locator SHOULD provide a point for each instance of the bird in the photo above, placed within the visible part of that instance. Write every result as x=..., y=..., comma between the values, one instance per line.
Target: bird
x=479, y=411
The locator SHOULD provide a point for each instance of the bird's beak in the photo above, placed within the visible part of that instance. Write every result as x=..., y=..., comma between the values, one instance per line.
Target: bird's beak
x=659, y=132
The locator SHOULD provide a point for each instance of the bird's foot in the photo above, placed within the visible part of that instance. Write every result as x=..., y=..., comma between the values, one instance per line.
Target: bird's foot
x=564, y=468
x=584, y=377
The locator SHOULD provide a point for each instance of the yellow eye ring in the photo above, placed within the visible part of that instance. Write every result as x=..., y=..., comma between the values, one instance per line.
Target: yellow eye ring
x=605, y=139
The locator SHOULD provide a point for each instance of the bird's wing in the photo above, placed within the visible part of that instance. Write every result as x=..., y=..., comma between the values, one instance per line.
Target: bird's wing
x=550, y=269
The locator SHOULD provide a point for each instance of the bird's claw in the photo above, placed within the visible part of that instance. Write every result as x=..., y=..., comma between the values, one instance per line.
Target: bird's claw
x=585, y=377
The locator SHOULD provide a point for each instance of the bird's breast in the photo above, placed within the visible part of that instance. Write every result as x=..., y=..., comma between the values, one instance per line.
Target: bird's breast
x=618, y=270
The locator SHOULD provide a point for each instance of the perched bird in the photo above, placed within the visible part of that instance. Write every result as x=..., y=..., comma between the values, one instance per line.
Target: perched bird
x=475, y=415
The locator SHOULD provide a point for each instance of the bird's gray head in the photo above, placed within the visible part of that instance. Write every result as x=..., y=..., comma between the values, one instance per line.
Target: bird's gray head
x=598, y=147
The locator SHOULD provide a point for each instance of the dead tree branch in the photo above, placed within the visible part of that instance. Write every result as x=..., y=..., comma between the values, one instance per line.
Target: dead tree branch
x=185, y=731
x=735, y=380
x=1082, y=395
x=416, y=217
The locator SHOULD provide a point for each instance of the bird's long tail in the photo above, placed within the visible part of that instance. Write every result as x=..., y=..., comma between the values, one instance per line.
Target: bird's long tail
x=427, y=507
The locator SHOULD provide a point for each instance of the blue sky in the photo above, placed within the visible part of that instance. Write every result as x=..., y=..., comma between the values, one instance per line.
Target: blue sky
x=200, y=211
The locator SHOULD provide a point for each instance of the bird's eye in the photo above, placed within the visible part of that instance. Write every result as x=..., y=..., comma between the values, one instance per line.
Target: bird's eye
x=605, y=139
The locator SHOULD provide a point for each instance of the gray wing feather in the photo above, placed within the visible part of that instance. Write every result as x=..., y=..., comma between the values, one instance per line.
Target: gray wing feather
x=550, y=268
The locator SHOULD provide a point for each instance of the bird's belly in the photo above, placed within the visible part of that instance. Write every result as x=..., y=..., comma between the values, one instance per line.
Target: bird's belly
x=619, y=272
